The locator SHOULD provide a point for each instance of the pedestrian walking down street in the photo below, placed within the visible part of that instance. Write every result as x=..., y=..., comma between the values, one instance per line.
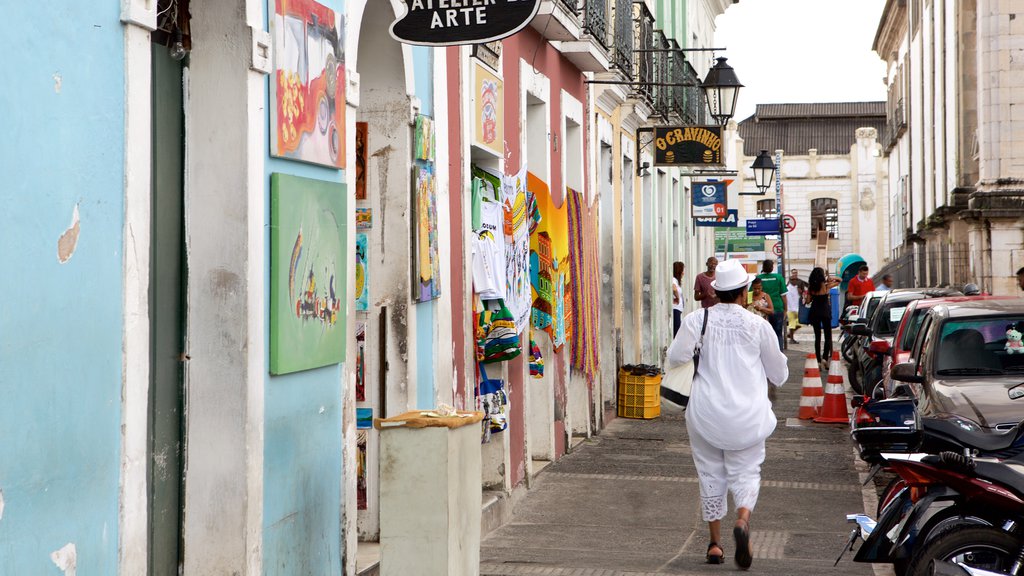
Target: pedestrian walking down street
x=678, y=301
x=775, y=286
x=760, y=302
x=794, y=298
x=702, y=290
x=886, y=284
x=729, y=416
x=820, y=316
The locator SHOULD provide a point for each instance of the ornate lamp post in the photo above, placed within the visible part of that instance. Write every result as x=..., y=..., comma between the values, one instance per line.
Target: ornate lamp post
x=721, y=88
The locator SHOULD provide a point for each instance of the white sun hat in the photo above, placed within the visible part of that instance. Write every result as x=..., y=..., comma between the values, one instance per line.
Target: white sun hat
x=730, y=275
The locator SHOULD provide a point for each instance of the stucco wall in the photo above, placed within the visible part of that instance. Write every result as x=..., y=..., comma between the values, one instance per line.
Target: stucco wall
x=62, y=239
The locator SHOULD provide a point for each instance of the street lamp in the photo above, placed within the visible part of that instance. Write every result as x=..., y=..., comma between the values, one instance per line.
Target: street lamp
x=721, y=87
x=764, y=171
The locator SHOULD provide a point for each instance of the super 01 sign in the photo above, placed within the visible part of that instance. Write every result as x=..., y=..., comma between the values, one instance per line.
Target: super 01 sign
x=456, y=22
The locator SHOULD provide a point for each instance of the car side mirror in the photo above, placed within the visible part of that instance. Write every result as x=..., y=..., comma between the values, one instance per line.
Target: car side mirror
x=907, y=372
x=860, y=330
x=1017, y=391
x=902, y=390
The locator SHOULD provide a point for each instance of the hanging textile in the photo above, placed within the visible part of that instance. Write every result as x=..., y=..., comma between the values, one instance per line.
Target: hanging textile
x=517, y=249
x=583, y=268
x=549, y=265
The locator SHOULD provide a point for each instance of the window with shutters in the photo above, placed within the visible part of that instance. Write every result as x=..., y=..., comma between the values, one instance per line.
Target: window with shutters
x=825, y=216
x=766, y=208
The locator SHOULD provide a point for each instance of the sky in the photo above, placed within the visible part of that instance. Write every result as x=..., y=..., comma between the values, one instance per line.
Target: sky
x=802, y=51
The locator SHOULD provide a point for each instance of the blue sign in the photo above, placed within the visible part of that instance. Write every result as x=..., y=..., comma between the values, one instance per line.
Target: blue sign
x=762, y=226
x=728, y=221
x=709, y=200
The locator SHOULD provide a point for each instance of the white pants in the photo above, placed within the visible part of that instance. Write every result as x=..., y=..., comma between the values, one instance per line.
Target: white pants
x=736, y=471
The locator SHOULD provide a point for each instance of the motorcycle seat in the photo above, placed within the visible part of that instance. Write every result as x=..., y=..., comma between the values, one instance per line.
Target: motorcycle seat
x=983, y=441
x=1003, y=473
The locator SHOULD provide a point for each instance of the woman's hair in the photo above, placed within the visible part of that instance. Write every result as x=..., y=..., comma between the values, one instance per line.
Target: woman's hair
x=677, y=271
x=730, y=296
x=755, y=282
x=817, y=279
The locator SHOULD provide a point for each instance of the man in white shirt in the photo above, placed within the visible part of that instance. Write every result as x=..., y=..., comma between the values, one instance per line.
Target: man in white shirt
x=794, y=296
x=886, y=284
x=729, y=416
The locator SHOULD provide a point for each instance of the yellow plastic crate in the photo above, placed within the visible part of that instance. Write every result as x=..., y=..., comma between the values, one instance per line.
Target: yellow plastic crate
x=639, y=396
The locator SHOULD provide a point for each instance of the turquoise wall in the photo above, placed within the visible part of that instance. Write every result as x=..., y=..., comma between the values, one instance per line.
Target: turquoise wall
x=60, y=324
x=303, y=473
x=423, y=72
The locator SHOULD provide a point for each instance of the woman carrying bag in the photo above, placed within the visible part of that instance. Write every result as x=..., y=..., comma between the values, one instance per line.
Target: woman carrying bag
x=729, y=416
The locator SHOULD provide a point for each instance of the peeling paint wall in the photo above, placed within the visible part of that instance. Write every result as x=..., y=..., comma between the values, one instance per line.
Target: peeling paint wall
x=61, y=245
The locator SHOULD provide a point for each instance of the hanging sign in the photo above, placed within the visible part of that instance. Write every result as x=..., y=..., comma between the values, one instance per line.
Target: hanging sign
x=762, y=226
x=687, y=145
x=709, y=200
x=727, y=221
x=458, y=22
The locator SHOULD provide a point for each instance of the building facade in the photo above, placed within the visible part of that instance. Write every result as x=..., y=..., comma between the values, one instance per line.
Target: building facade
x=952, y=137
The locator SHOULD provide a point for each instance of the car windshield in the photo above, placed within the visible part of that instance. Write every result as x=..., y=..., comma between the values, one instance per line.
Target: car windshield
x=872, y=305
x=888, y=319
x=981, y=347
x=913, y=327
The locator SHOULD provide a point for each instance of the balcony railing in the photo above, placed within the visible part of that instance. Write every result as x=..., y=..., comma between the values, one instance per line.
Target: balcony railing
x=572, y=6
x=662, y=75
x=694, y=110
x=595, y=21
x=643, y=61
x=622, y=52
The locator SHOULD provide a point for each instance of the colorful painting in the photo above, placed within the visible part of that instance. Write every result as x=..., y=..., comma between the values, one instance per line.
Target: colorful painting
x=425, y=139
x=362, y=158
x=360, y=361
x=518, y=296
x=308, y=255
x=427, y=264
x=584, y=290
x=362, y=274
x=364, y=218
x=549, y=265
x=361, y=437
x=488, y=111
x=364, y=418
x=307, y=117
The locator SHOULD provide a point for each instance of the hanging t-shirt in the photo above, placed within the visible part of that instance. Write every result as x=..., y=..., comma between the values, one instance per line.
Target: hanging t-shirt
x=489, y=245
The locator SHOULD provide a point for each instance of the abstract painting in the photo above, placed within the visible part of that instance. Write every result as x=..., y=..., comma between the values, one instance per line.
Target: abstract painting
x=307, y=113
x=427, y=266
x=308, y=257
x=362, y=278
x=424, y=143
x=362, y=158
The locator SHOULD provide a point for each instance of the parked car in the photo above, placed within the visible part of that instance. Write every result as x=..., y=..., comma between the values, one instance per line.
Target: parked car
x=876, y=337
x=964, y=362
x=849, y=340
x=907, y=332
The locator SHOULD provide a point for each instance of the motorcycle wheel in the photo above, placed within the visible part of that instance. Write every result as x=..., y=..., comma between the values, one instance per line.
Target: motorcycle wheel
x=983, y=547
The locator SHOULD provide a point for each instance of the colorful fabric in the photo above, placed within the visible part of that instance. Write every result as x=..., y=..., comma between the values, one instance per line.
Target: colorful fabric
x=536, y=360
x=517, y=250
x=498, y=340
x=584, y=290
x=549, y=264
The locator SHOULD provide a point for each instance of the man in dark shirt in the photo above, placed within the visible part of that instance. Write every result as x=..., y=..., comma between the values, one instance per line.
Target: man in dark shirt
x=702, y=290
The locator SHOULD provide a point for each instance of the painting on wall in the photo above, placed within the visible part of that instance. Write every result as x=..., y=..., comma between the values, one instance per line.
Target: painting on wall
x=364, y=418
x=424, y=142
x=362, y=277
x=361, y=437
x=364, y=218
x=427, y=265
x=307, y=273
x=362, y=158
x=488, y=111
x=360, y=361
x=307, y=114
x=549, y=264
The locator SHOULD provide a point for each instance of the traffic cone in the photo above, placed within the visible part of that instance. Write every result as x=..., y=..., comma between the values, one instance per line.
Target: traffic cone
x=811, y=363
x=811, y=394
x=833, y=409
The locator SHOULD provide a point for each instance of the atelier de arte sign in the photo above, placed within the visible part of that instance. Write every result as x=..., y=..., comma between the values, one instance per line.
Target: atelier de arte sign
x=457, y=22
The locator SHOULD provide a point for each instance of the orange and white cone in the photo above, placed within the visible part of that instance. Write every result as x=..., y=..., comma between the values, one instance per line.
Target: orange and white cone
x=833, y=409
x=811, y=363
x=835, y=368
x=811, y=395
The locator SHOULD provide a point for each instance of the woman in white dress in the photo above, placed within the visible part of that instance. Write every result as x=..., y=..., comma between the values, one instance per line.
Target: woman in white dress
x=729, y=416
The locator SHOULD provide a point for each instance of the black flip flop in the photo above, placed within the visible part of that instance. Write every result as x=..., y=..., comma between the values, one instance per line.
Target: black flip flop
x=715, y=559
x=742, y=535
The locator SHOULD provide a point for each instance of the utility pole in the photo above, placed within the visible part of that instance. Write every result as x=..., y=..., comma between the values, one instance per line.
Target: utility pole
x=778, y=211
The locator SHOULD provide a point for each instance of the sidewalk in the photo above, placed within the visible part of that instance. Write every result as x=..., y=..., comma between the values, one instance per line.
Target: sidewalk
x=626, y=503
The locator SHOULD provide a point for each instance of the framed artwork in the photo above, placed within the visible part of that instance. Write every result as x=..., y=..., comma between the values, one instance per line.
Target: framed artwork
x=424, y=140
x=362, y=274
x=488, y=111
x=364, y=418
x=307, y=111
x=308, y=256
x=362, y=158
x=364, y=218
x=360, y=361
x=361, y=437
x=426, y=266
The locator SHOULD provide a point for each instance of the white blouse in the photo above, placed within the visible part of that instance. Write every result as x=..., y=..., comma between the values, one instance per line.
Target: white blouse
x=728, y=399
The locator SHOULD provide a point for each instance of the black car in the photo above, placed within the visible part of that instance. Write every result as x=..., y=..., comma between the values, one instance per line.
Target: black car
x=874, y=339
x=966, y=362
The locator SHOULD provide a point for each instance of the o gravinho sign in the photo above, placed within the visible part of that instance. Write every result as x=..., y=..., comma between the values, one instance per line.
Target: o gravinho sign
x=457, y=22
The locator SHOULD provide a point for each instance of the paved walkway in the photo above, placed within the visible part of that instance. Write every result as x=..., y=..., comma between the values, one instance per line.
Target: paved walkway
x=626, y=503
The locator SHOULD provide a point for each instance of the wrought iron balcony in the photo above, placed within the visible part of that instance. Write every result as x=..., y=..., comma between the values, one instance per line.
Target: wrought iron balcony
x=595, y=20
x=662, y=93
x=622, y=43
x=694, y=109
x=643, y=60
x=571, y=5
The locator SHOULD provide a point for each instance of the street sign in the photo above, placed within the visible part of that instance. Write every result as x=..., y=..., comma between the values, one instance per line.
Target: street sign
x=709, y=200
x=777, y=249
x=788, y=223
x=728, y=221
x=687, y=145
x=448, y=23
x=762, y=226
